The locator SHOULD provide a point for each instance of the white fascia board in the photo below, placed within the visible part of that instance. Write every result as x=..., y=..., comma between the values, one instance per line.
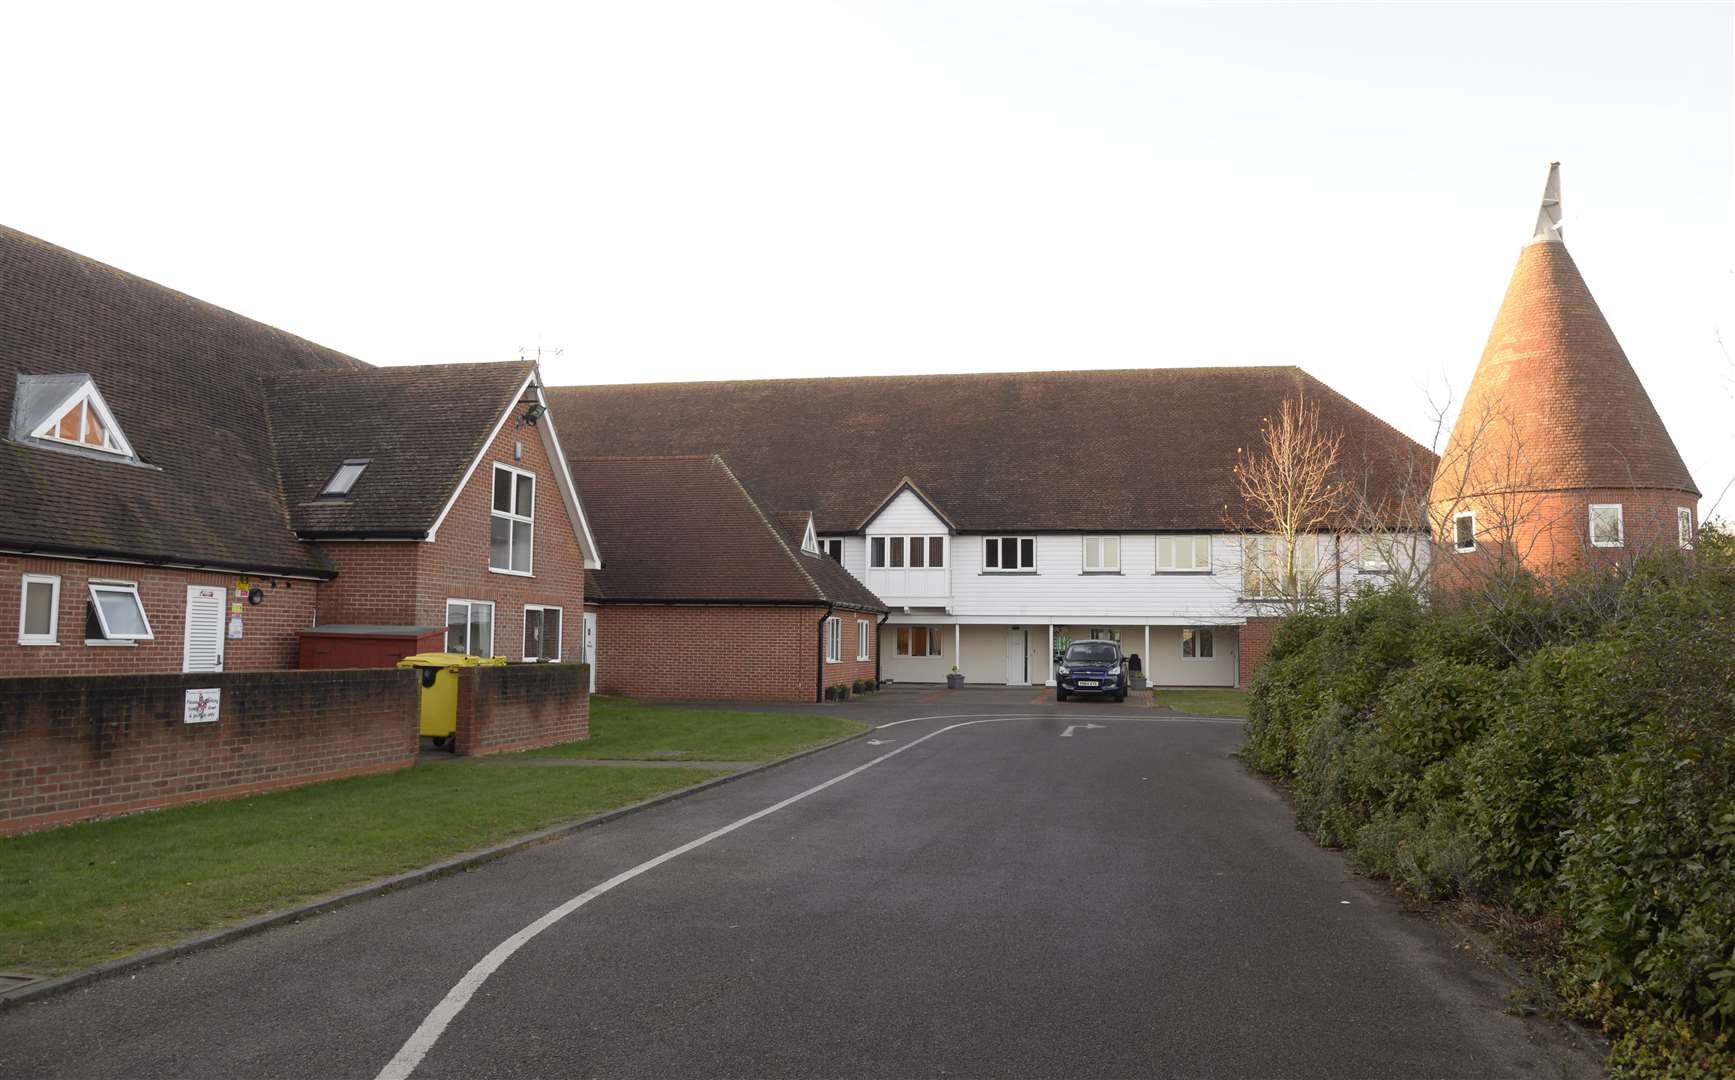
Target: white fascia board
x=568, y=490
x=487, y=444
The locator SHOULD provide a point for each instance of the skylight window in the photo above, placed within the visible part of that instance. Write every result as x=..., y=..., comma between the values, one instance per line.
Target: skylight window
x=67, y=409
x=344, y=478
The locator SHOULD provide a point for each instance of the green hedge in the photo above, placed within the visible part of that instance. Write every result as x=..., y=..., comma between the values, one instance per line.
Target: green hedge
x=1566, y=751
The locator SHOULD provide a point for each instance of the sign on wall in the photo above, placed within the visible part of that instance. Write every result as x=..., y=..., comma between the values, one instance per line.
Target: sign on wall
x=202, y=706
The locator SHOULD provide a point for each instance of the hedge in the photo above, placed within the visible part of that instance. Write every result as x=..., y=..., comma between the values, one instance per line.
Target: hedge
x=1563, y=750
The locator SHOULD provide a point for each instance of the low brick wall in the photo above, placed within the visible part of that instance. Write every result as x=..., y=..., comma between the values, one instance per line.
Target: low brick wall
x=82, y=747
x=522, y=706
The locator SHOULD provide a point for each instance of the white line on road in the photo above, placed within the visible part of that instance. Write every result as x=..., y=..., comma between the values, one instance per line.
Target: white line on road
x=424, y=1037
x=1067, y=734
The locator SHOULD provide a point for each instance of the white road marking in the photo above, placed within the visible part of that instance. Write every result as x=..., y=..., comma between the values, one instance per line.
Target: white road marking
x=423, y=1038
x=1067, y=734
x=434, y=1025
x=881, y=742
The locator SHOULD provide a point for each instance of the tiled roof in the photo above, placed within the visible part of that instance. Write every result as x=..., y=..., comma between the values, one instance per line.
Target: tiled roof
x=418, y=427
x=1148, y=449
x=683, y=529
x=1554, y=404
x=183, y=378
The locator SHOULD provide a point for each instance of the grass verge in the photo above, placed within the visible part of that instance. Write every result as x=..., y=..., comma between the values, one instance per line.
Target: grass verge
x=82, y=894
x=625, y=730
x=1205, y=702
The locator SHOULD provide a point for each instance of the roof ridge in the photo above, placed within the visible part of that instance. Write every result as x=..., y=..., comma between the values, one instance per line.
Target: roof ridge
x=771, y=527
x=934, y=376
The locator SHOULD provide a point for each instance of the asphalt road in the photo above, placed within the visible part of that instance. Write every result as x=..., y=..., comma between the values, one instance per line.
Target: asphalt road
x=996, y=901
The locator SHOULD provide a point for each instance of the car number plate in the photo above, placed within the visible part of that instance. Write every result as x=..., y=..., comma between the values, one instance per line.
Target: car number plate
x=1088, y=682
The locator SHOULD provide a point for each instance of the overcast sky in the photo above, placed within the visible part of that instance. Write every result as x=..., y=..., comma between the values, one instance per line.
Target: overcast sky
x=749, y=190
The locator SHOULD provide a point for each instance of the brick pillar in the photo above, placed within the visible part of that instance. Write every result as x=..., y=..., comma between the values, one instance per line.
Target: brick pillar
x=1255, y=643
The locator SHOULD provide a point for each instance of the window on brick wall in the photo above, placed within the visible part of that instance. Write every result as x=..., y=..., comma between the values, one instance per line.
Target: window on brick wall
x=1684, y=525
x=542, y=632
x=833, y=640
x=510, y=539
x=39, y=610
x=1605, y=525
x=1464, y=531
x=115, y=615
x=863, y=638
x=918, y=641
x=470, y=627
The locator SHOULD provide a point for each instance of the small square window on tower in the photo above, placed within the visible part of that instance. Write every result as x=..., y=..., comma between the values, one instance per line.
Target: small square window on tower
x=1684, y=523
x=1464, y=531
x=1605, y=525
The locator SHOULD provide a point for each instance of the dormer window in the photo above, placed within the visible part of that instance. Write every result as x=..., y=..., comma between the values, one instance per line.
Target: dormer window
x=810, y=542
x=344, y=478
x=67, y=410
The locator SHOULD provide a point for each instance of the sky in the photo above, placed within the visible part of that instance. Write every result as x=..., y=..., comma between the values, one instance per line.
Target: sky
x=649, y=192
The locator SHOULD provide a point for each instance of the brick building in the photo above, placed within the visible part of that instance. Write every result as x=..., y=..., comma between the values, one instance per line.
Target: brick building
x=185, y=489
x=707, y=596
x=1558, y=457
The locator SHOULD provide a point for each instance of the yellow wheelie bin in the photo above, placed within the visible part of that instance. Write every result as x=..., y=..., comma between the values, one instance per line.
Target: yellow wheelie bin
x=439, y=674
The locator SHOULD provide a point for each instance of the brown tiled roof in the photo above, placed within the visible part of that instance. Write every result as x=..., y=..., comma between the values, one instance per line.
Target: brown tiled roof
x=419, y=427
x=183, y=379
x=1148, y=449
x=1555, y=404
x=683, y=529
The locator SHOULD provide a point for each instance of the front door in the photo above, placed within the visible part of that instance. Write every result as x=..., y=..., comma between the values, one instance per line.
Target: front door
x=203, y=650
x=590, y=646
x=1017, y=658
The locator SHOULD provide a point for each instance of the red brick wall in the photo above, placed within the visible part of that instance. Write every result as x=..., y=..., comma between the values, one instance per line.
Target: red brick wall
x=375, y=583
x=522, y=706
x=1549, y=532
x=92, y=746
x=1255, y=642
x=268, y=638
x=851, y=669
x=711, y=653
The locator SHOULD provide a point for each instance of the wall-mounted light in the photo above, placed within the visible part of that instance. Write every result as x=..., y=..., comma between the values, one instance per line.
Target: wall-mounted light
x=534, y=413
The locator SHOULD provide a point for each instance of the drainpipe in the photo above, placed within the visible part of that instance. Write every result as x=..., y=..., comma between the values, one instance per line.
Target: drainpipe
x=1337, y=571
x=877, y=637
x=819, y=673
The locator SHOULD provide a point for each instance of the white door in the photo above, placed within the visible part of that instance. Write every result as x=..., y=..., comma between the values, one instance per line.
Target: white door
x=590, y=646
x=1017, y=673
x=203, y=650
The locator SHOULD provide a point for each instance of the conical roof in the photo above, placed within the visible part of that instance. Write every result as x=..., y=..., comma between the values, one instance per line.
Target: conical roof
x=1554, y=398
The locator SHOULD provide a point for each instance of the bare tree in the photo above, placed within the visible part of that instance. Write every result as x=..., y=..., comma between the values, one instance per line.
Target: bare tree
x=1292, y=494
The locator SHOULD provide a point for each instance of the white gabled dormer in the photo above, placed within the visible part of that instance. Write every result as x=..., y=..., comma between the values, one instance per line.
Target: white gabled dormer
x=67, y=411
x=909, y=549
x=809, y=541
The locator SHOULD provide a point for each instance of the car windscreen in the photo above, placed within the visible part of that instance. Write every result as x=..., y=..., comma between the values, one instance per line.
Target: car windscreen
x=1092, y=652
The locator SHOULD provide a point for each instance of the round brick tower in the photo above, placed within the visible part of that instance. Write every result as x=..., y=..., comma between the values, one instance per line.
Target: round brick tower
x=1558, y=456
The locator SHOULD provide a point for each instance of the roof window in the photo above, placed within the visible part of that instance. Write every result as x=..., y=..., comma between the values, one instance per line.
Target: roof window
x=344, y=478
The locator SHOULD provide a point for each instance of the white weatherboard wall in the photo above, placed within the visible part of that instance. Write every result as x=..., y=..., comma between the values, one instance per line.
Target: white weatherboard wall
x=1060, y=590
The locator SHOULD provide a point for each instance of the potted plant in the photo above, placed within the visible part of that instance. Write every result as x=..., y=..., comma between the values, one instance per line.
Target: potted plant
x=954, y=678
x=842, y=692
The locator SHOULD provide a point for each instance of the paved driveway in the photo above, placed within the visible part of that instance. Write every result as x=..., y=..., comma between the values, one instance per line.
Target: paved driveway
x=995, y=899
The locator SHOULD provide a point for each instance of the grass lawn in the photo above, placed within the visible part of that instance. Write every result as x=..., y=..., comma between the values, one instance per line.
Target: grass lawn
x=631, y=730
x=1205, y=702
x=77, y=895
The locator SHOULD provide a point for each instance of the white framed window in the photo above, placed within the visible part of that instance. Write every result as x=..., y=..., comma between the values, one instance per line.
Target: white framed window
x=1197, y=643
x=1375, y=557
x=1102, y=554
x=542, y=631
x=809, y=541
x=39, y=610
x=470, y=627
x=864, y=635
x=83, y=420
x=1464, y=531
x=344, y=478
x=1684, y=525
x=833, y=640
x=832, y=547
x=1009, y=554
x=1266, y=573
x=116, y=613
x=1184, y=554
x=897, y=552
x=1606, y=525
x=918, y=641
x=512, y=521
